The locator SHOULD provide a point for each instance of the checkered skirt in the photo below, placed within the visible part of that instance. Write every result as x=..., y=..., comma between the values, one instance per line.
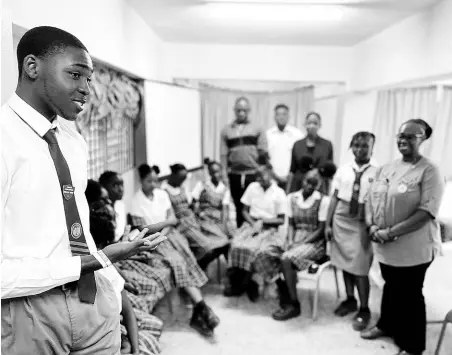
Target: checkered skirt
x=300, y=253
x=149, y=331
x=246, y=249
x=175, y=257
x=201, y=238
x=152, y=283
x=171, y=265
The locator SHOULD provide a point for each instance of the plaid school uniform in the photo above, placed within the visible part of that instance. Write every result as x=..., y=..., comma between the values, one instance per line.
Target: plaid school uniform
x=302, y=254
x=202, y=240
x=149, y=331
x=211, y=205
x=174, y=261
x=255, y=253
x=151, y=283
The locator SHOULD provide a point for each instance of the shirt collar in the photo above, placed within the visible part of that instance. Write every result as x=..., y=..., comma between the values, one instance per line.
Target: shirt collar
x=287, y=129
x=33, y=118
x=316, y=195
x=362, y=167
x=210, y=184
x=235, y=123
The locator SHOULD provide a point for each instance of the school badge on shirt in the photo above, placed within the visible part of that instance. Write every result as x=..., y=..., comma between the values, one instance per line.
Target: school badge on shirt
x=68, y=191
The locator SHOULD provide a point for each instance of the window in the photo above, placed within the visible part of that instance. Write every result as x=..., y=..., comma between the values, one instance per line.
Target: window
x=108, y=120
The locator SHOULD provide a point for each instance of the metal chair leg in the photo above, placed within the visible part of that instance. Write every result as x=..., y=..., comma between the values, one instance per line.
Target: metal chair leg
x=338, y=290
x=219, y=270
x=441, y=337
x=315, y=301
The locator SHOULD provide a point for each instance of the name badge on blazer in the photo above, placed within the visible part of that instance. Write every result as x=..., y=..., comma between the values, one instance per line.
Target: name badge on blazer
x=68, y=191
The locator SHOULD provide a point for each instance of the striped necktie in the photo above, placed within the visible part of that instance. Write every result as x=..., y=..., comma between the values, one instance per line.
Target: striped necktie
x=354, y=202
x=87, y=282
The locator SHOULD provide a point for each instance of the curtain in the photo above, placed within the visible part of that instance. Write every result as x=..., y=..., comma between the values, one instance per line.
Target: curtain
x=439, y=146
x=393, y=108
x=217, y=110
x=108, y=120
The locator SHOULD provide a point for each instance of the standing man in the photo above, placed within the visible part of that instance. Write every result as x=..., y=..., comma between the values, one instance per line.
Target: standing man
x=281, y=139
x=243, y=144
x=55, y=298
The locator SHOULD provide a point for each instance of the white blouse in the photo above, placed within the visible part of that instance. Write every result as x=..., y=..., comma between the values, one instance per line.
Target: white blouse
x=265, y=203
x=345, y=177
x=153, y=210
x=220, y=188
x=121, y=219
x=308, y=203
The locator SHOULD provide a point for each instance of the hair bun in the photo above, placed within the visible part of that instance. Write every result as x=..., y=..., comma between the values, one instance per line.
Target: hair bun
x=206, y=161
x=327, y=170
x=156, y=169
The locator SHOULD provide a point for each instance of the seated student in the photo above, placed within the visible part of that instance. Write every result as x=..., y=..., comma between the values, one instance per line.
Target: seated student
x=140, y=331
x=149, y=281
x=207, y=242
x=307, y=210
x=172, y=263
x=211, y=199
x=151, y=205
x=265, y=206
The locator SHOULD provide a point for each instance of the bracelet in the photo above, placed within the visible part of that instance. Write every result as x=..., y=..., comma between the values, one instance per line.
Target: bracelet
x=102, y=258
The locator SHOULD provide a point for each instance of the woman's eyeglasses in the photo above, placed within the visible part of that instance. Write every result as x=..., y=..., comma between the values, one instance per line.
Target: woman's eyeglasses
x=409, y=136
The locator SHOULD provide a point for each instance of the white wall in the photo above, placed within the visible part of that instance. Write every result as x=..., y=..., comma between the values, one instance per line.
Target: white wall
x=418, y=47
x=173, y=126
x=112, y=31
x=259, y=62
x=359, y=112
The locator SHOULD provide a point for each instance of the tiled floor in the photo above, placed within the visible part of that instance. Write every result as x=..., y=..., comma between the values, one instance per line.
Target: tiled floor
x=247, y=328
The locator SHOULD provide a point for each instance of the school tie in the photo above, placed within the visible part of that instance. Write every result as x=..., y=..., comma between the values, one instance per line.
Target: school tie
x=354, y=202
x=87, y=282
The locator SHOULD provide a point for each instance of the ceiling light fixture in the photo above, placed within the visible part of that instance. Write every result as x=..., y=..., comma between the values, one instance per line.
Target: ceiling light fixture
x=284, y=2
x=273, y=13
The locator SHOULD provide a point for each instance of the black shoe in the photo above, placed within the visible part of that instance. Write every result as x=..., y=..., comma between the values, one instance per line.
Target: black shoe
x=289, y=311
x=348, y=306
x=283, y=293
x=361, y=319
x=198, y=323
x=252, y=291
x=233, y=285
x=211, y=318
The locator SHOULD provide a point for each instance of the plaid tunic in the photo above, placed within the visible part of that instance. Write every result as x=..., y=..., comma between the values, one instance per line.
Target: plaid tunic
x=171, y=265
x=211, y=205
x=201, y=238
x=149, y=329
x=302, y=254
x=255, y=253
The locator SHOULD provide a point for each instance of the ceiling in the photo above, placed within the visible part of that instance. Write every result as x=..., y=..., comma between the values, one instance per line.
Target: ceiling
x=315, y=22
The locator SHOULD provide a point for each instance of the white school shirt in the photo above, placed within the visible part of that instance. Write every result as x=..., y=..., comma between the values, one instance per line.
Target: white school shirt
x=308, y=203
x=345, y=177
x=280, y=144
x=35, y=252
x=219, y=189
x=265, y=204
x=153, y=210
x=121, y=219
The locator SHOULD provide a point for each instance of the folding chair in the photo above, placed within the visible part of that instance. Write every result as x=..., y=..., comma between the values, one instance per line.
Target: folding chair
x=447, y=319
x=304, y=275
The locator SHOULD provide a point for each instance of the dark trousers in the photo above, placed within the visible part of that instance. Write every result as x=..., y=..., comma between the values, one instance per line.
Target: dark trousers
x=238, y=184
x=403, y=315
